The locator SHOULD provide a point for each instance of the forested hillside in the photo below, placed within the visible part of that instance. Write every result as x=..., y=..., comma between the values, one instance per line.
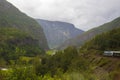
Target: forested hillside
x=105, y=41
x=15, y=44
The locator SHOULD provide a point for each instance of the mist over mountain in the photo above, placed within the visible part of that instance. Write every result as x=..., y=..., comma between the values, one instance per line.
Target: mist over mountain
x=57, y=32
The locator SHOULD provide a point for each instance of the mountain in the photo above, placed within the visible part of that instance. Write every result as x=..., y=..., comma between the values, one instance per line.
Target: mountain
x=86, y=36
x=10, y=16
x=57, y=32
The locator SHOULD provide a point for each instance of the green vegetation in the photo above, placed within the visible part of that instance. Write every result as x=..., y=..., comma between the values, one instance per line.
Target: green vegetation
x=51, y=52
x=64, y=65
x=86, y=63
x=14, y=44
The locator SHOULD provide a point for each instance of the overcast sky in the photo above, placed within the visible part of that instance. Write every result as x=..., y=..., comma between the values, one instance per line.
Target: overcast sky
x=84, y=14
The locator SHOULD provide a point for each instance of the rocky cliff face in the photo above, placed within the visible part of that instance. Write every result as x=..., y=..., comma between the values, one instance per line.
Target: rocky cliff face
x=10, y=16
x=57, y=32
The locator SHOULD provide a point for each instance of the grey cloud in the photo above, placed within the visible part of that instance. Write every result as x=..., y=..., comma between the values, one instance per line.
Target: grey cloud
x=85, y=14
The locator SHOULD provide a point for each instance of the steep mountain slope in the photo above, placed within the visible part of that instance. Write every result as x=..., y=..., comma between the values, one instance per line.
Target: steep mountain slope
x=12, y=17
x=57, y=32
x=81, y=39
x=15, y=43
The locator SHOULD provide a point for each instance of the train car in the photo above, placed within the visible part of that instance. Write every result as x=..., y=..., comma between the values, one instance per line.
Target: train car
x=112, y=53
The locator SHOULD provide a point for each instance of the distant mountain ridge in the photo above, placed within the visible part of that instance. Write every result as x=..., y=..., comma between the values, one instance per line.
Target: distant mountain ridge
x=57, y=32
x=10, y=16
x=86, y=36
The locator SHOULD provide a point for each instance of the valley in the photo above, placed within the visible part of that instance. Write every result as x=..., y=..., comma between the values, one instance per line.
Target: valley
x=37, y=49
